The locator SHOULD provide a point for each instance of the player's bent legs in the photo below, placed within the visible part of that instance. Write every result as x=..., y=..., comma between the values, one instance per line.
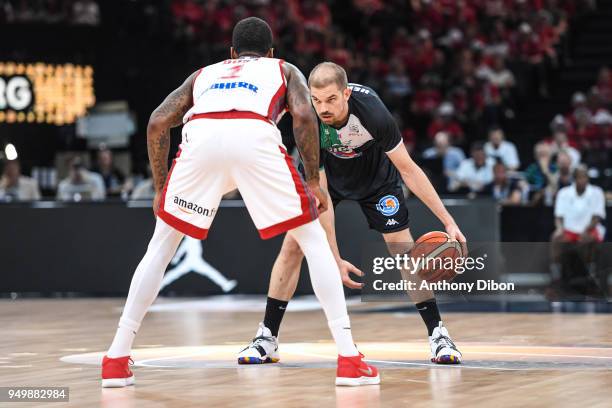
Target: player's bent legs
x=286, y=270
x=326, y=283
x=399, y=243
x=145, y=286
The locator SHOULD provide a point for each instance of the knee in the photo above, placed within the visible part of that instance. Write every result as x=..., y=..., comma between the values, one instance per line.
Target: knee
x=399, y=248
x=291, y=252
x=292, y=249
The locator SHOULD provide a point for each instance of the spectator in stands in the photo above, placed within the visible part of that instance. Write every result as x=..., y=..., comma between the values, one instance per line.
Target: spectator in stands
x=604, y=85
x=503, y=189
x=578, y=102
x=499, y=148
x=474, y=173
x=540, y=174
x=584, y=131
x=15, y=186
x=451, y=156
x=139, y=186
x=559, y=141
x=603, y=125
x=445, y=122
x=81, y=185
x=397, y=83
x=144, y=190
x=112, y=176
x=564, y=172
x=426, y=98
x=500, y=76
x=503, y=80
x=86, y=12
x=529, y=50
x=579, y=211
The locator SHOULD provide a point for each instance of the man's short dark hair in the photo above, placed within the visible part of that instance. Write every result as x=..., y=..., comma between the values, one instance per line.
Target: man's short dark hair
x=477, y=146
x=252, y=34
x=327, y=73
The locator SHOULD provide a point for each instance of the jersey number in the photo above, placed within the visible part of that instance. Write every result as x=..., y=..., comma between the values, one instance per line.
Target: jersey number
x=234, y=72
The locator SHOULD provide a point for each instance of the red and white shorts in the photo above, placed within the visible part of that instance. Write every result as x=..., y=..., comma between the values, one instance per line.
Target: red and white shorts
x=219, y=155
x=597, y=233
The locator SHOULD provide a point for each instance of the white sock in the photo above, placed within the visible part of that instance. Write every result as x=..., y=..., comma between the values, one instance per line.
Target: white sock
x=145, y=286
x=326, y=283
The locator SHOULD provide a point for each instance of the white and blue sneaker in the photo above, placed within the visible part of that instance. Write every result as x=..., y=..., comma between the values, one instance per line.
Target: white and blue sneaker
x=263, y=349
x=443, y=350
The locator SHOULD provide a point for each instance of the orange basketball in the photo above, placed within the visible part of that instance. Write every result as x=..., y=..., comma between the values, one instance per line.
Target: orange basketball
x=438, y=252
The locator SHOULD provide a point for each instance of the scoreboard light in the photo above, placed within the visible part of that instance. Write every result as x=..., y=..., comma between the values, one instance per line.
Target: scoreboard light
x=45, y=93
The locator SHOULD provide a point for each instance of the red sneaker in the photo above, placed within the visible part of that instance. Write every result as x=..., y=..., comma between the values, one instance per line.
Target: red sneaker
x=116, y=372
x=353, y=371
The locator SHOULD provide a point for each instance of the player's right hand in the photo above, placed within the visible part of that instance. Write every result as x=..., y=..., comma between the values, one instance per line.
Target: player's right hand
x=346, y=268
x=320, y=194
x=156, y=201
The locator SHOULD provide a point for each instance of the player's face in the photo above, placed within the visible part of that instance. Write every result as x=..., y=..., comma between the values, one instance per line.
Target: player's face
x=331, y=103
x=582, y=179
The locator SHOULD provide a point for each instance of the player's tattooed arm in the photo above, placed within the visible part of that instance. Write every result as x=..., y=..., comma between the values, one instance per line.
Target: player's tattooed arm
x=166, y=116
x=305, y=128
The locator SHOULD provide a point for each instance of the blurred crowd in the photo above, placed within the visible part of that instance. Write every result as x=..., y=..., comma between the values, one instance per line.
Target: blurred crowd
x=78, y=12
x=453, y=74
x=579, y=138
x=102, y=179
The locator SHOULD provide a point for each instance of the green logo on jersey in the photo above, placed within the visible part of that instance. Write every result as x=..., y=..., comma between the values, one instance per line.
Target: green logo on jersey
x=329, y=136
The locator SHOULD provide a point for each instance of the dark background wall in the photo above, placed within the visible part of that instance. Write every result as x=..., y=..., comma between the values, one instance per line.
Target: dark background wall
x=94, y=248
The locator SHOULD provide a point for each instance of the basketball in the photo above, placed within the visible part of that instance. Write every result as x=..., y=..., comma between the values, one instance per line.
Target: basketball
x=436, y=244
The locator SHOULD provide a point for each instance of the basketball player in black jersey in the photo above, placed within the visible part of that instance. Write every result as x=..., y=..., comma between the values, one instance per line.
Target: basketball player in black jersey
x=363, y=159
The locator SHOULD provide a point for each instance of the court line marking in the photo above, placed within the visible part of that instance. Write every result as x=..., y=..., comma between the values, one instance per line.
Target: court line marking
x=147, y=360
x=539, y=355
x=423, y=364
x=523, y=354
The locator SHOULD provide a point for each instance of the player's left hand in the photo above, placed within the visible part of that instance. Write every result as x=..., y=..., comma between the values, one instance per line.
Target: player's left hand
x=456, y=235
x=346, y=268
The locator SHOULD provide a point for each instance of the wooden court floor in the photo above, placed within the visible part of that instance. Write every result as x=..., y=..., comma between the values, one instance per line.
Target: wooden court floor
x=185, y=358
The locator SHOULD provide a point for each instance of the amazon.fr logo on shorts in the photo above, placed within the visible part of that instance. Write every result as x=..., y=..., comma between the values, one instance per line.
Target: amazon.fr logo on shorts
x=191, y=208
x=388, y=205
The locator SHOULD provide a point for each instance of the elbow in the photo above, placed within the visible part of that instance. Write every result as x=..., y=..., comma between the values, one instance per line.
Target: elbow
x=304, y=115
x=156, y=125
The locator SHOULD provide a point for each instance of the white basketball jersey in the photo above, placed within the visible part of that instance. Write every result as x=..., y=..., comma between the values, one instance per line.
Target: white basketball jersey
x=248, y=84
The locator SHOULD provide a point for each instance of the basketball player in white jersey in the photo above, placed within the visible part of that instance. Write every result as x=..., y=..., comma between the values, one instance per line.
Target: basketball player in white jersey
x=230, y=140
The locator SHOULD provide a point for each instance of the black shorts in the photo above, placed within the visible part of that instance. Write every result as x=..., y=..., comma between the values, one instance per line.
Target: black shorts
x=385, y=211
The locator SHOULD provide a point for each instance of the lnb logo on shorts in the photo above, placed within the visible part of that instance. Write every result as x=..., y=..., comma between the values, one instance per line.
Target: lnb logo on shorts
x=388, y=205
x=191, y=208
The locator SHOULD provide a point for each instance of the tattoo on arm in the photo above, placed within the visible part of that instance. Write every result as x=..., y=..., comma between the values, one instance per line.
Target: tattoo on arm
x=166, y=116
x=305, y=128
x=158, y=157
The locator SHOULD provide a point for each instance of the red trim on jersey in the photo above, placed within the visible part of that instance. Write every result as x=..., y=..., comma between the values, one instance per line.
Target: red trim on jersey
x=309, y=210
x=171, y=220
x=277, y=104
x=233, y=114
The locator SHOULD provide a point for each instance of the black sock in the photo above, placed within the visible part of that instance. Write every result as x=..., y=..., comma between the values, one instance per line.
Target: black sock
x=275, y=310
x=430, y=314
